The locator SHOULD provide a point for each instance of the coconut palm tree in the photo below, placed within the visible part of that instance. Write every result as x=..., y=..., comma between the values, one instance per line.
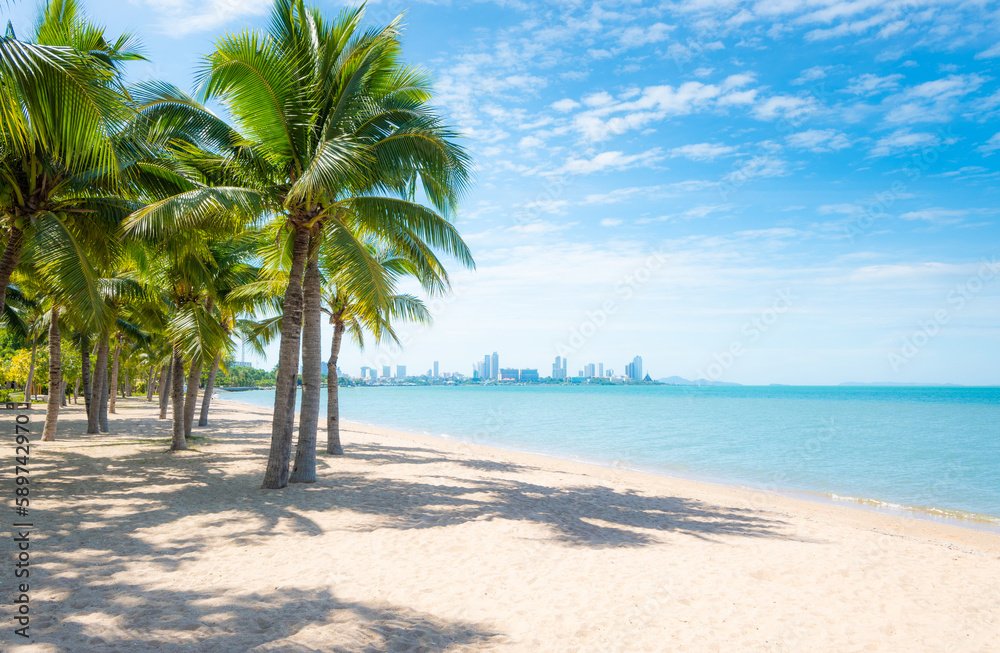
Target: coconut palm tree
x=60, y=99
x=350, y=309
x=358, y=300
x=331, y=129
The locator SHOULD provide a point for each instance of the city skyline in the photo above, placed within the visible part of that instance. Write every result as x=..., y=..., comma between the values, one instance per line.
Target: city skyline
x=485, y=370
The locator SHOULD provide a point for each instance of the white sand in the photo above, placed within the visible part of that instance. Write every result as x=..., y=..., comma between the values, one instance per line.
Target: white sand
x=418, y=544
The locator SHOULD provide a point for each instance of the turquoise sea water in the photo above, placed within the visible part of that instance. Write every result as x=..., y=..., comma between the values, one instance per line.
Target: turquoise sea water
x=933, y=448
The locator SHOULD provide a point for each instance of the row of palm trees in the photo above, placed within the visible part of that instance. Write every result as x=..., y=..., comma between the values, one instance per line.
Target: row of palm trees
x=144, y=222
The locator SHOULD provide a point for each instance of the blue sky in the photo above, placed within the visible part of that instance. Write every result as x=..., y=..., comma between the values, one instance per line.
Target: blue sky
x=775, y=191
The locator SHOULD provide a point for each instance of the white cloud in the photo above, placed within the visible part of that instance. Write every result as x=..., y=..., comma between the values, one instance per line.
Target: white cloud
x=552, y=207
x=539, y=227
x=819, y=140
x=183, y=17
x=812, y=74
x=739, y=80
x=702, y=151
x=613, y=160
x=653, y=103
x=990, y=53
x=530, y=143
x=738, y=98
x=634, y=37
x=991, y=145
x=598, y=99
x=618, y=194
x=565, y=105
x=902, y=140
x=936, y=215
x=759, y=167
x=788, y=107
x=933, y=101
x=696, y=212
x=869, y=84
x=610, y=222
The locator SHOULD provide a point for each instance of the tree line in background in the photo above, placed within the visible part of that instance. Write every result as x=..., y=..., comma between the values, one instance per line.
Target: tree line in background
x=142, y=234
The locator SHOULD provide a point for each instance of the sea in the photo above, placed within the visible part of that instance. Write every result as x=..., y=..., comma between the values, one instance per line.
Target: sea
x=928, y=452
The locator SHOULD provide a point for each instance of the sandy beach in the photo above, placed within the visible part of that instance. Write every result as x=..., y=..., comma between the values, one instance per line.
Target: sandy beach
x=411, y=543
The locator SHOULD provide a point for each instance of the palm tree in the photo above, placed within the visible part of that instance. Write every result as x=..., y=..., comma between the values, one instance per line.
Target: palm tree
x=60, y=99
x=353, y=310
x=331, y=129
x=356, y=300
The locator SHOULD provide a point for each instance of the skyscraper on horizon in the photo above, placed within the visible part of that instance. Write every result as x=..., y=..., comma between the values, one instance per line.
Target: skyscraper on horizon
x=495, y=366
x=600, y=369
x=559, y=368
x=633, y=370
x=386, y=371
x=487, y=371
x=436, y=375
x=401, y=371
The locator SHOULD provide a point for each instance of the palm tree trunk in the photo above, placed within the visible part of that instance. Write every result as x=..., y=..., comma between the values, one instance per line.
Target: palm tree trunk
x=177, y=396
x=99, y=381
x=191, y=400
x=149, y=384
x=62, y=394
x=276, y=473
x=166, y=379
x=76, y=391
x=105, y=387
x=209, y=389
x=8, y=261
x=304, y=469
x=31, y=373
x=55, y=379
x=333, y=445
x=85, y=372
x=113, y=394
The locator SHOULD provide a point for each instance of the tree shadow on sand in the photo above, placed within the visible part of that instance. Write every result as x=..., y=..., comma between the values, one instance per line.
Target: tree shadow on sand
x=125, y=618
x=206, y=483
x=101, y=508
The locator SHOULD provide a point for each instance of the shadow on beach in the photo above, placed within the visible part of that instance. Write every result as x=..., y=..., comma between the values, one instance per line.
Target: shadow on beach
x=164, y=488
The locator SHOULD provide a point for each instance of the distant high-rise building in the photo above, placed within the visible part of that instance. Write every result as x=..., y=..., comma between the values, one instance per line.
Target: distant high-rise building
x=436, y=375
x=510, y=374
x=401, y=371
x=487, y=371
x=600, y=369
x=633, y=370
x=386, y=371
x=559, y=368
x=364, y=371
x=529, y=375
x=495, y=365
x=588, y=370
x=374, y=373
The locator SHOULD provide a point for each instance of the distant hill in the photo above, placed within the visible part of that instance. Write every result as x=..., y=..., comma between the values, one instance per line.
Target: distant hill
x=678, y=380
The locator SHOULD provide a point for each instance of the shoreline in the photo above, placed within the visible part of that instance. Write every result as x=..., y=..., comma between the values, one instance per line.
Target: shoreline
x=413, y=542
x=895, y=522
x=954, y=517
